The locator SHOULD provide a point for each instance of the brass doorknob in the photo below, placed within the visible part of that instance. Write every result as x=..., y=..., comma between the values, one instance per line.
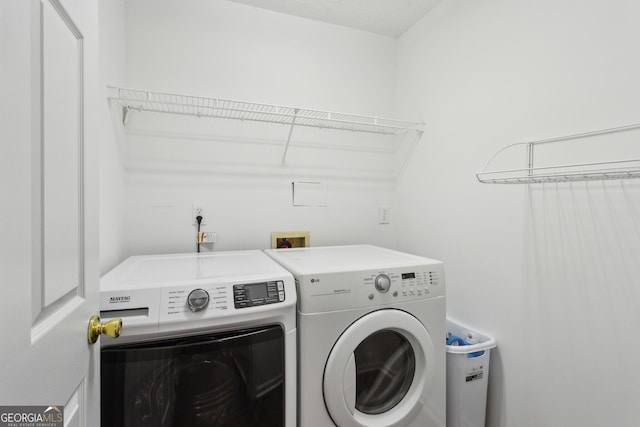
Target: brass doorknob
x=111, y=328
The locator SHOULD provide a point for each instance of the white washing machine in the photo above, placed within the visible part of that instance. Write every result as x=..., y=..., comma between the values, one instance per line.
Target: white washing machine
x=371, y=337
x=207, y=340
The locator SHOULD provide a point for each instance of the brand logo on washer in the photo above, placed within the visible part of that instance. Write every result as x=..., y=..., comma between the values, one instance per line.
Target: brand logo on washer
x=115, y=300
x=315, y=280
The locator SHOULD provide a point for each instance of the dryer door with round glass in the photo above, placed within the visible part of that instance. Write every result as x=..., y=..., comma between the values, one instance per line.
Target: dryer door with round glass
x=378, y=369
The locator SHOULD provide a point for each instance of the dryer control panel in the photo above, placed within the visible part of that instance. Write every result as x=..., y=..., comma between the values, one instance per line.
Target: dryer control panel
x=175, y=293
x=253, y=294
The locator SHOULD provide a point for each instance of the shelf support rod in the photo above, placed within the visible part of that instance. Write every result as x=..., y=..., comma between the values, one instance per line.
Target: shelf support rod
x=293, y=123
x=408, y=151
x=125, y=115
x=530, y=158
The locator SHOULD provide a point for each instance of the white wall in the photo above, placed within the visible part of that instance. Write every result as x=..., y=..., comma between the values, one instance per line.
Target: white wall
x=551, y=271
x=243, y=211
x=222, y=49
x=112, y=178
x=232, y=51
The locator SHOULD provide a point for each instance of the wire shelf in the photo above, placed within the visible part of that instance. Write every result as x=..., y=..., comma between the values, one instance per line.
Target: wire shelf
x=131, y=99
x=566, y=173
x=573, y=172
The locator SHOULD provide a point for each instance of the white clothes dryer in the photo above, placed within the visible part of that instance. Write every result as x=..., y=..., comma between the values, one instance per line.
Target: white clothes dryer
x=371, y=337
x=208, y=339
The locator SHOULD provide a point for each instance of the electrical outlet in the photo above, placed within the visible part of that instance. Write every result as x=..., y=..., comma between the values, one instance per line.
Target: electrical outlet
x=384, y=215
x=198, y=209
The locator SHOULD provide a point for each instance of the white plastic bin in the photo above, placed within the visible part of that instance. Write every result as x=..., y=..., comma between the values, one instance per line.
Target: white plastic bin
x=467, y=375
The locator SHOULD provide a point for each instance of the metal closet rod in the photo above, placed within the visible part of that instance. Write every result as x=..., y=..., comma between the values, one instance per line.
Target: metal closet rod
x=586, y=134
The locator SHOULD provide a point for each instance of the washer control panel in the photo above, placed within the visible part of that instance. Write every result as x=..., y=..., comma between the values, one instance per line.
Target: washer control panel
x=382, y=282
x=331, y=291
x=402, y=284
x=418, y=283
x=255, y=294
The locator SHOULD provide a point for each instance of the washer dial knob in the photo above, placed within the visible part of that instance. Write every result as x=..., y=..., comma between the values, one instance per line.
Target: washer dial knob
x=198, y=300
x=382, y=282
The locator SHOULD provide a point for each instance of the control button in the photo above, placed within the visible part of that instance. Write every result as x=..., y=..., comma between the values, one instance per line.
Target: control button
x=280, y=286
x=281, y=296
x=382, y=283
x=198, y=300
x=395, y=293
x=370, y=296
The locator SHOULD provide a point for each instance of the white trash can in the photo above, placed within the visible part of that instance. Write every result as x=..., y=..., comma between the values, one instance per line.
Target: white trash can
x=468, y=353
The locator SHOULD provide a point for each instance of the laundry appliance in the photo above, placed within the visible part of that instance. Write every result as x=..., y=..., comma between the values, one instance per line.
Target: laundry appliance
x=207, y=340
x=371, y=336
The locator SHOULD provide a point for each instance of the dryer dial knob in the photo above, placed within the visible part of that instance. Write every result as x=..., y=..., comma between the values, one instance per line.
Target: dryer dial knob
x=198, y=300
x=382, y=282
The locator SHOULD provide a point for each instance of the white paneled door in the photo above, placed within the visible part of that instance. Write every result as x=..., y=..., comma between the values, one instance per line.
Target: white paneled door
x=49, y=260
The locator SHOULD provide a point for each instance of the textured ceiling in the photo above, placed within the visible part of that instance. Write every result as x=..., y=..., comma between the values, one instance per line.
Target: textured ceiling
x=386, y=17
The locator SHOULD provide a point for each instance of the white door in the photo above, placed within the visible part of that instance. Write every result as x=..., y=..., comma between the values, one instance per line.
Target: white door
x=378, y=369
x=49, y=270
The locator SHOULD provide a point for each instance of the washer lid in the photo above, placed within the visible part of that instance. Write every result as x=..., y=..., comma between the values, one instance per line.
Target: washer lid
x=378, y=369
